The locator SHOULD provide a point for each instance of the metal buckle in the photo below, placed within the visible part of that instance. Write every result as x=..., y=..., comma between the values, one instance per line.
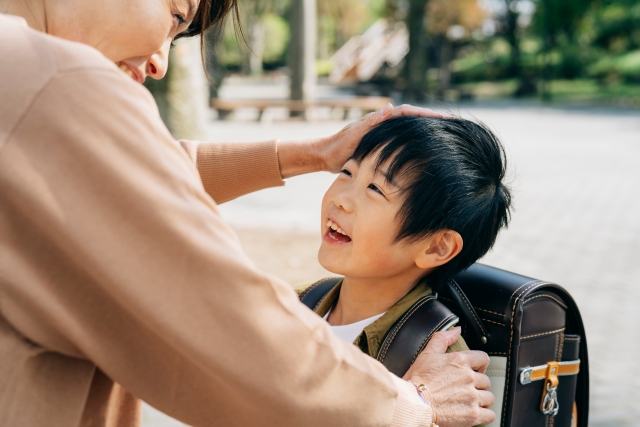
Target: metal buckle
x=525, y=376
x=550, y=404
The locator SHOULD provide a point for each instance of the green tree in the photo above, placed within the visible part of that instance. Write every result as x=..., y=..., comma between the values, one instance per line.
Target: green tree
x=449, y=23
x=338, y=21
x=253, y=14
x=556, y=22
x=416, y=61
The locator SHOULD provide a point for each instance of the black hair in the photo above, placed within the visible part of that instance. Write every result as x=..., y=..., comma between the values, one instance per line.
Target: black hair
x=452, y=172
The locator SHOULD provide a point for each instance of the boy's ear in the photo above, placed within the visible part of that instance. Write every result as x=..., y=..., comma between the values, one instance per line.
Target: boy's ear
x=441, y=249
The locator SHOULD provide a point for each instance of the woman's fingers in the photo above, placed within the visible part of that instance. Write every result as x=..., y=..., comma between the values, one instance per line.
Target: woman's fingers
x=482, y=382
x=412, y=110
x=486, y=416
x=486, y=399
x=476, y=360
x=376, y=117
x=390, y=111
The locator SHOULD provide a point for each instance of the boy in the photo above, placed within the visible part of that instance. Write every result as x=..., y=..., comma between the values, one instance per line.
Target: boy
x=420, y=200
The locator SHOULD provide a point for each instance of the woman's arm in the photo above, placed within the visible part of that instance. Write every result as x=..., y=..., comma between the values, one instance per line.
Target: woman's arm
x=231, y=169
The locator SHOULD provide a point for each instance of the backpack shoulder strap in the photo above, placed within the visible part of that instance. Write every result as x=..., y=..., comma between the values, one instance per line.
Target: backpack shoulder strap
x=411, y=333
x=315, y=293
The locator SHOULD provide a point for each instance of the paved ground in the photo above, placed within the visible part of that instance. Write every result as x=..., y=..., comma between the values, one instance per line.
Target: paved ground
x=576, y=177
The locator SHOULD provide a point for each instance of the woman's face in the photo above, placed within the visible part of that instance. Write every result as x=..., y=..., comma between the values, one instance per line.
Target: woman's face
x=135, y=34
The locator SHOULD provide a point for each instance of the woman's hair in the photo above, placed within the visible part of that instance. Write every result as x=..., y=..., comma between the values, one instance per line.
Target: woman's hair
x=210, y=13
x=451, y=175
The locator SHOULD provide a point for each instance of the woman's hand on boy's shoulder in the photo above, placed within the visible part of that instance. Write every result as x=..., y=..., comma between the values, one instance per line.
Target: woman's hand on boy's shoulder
x=335, y=150
x=455, y=383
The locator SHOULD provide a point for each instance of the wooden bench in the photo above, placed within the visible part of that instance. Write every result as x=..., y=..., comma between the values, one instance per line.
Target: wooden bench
x=364, y=103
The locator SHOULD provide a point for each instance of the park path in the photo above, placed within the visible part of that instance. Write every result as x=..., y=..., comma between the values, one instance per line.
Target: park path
x=575, y=175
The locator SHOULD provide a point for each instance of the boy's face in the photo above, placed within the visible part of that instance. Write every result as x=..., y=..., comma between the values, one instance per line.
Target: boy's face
x=363, y=205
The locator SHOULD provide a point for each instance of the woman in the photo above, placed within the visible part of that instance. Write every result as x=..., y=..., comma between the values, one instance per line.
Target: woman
x=118, y=278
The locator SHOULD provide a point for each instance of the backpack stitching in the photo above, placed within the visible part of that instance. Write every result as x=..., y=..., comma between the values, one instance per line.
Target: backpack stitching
x=493, y=321
x=561, y=348
x=306, y=291
x=548, y=296
x=455, y=286
x=387, y=342
x=322, y=299
x=542, y=334
x=489, y=311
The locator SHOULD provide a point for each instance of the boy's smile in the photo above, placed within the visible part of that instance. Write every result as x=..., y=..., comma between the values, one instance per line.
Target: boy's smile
x=335, y=234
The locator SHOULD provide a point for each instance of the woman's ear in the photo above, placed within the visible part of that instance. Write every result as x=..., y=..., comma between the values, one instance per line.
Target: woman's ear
x=441, y=248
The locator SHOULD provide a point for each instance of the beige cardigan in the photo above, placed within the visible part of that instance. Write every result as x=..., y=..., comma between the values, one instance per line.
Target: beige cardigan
x=119, y=278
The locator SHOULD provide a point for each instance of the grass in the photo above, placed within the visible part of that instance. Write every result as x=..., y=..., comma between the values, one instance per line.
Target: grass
x=563, y=91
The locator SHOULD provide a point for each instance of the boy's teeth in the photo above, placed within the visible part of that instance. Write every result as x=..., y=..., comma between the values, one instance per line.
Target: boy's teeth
x=335, y=227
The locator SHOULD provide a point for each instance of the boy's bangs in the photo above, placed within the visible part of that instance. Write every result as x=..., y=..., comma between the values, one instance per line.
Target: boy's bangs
x=391, y=142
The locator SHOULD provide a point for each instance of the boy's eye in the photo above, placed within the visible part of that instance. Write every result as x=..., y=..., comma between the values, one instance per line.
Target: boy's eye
x=346, y=172
x=376, y=189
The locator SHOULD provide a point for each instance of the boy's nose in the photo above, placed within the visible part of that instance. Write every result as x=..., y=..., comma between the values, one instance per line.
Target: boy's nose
x=343, y=201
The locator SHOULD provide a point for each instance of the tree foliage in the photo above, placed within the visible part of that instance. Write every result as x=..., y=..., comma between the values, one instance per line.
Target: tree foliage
x=444, y=14
x=460, y=41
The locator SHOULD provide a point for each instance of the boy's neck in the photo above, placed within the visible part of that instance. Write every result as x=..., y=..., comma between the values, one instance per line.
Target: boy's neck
x=361, y=299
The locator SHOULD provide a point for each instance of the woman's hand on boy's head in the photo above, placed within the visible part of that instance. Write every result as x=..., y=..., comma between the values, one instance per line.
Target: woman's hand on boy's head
x=455, y=383
x=337, y=149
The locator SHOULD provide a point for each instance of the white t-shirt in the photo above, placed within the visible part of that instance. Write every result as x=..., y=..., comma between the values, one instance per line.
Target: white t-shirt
x=350, y=332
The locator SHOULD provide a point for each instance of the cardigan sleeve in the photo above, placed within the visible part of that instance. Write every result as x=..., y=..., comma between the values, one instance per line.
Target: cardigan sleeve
x=230, y=170
x=114, y=253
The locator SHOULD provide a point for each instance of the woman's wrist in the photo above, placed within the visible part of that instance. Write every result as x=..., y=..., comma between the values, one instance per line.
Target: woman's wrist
x=423, y=392
x=419, y=391
x=301, y=156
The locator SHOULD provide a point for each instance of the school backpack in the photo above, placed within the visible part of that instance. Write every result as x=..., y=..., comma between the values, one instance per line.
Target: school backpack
x=531, y=329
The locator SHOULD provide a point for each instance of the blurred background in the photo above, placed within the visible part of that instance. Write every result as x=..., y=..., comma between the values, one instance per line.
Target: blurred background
x=568, y=51
x=557, y=80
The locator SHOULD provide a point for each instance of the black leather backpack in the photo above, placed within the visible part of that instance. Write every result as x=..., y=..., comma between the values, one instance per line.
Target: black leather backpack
x=531, y=329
